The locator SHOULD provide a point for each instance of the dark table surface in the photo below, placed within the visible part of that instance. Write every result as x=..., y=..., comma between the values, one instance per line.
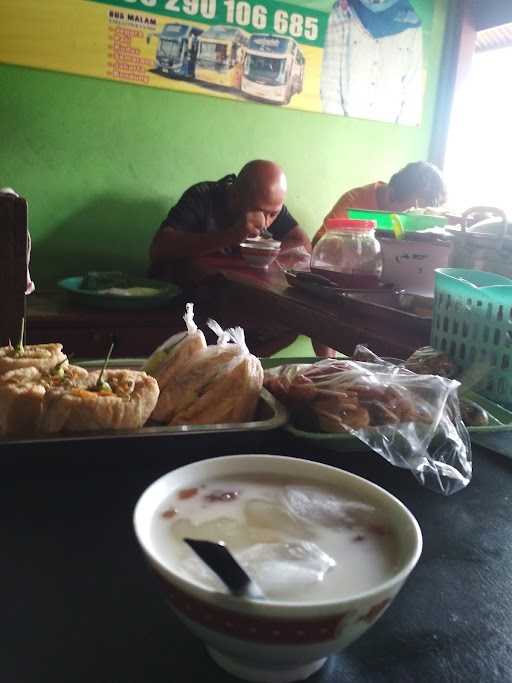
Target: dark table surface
x=225, y=286
x=79, y=605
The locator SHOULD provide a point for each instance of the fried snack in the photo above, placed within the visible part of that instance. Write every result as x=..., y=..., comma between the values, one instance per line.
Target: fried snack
x=428, y=361
x=344, y=395
x=28, y=394
x=65, y=399
x=128, y=406
x=472, y=414
x=192, y=381
x=40, y=356
x=169, y=358
x=220, y=385
x=365, y=355
x=232, y=398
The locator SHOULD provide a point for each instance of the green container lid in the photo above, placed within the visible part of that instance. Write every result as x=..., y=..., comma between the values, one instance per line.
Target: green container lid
x=410, y=222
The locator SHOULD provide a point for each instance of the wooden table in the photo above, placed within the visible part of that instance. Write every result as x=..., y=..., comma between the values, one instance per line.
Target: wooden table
x=237, y=295
x=79, y=604
x=88, y=332
x=223, y=288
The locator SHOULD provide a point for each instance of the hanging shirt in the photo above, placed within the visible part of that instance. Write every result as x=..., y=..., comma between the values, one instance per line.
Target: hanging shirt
x=364, y=76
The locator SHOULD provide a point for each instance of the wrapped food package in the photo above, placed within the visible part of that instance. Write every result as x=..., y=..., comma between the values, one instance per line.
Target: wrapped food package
x=65, y=399
x=177, y=351
x=400, y=415
x=428, y=361
x=221, y=384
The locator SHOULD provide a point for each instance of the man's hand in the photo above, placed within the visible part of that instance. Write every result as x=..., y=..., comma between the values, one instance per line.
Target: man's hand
x=251, y=224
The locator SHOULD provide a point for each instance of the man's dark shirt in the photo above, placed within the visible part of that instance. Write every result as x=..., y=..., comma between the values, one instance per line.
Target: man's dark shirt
x=204, y=208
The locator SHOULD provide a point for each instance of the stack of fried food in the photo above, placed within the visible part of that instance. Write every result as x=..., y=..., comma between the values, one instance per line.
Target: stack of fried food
x=41, y=393
x=429, y=361
x=367, y=391
x=336, y=395
x=202, y=384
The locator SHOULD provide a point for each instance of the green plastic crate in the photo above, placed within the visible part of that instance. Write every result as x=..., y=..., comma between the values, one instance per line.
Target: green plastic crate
x=472, y=323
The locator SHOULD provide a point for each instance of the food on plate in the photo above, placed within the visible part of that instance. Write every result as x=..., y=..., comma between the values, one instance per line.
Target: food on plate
x=187, y=383
x=218, y=384
x=169, y=357
x=428, y=361
x=343, y=394
x=130, y=291
x=472, y=414
x=104, y=280
x=298, y=539
x=41, y=356
x=67, y=398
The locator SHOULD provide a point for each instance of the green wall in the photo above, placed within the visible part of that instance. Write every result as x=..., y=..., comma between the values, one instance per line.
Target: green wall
x=100, y=163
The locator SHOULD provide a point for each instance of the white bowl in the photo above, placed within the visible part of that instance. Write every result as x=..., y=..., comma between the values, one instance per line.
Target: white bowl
x=275, y=641
x=265, y=242
x=258, y=255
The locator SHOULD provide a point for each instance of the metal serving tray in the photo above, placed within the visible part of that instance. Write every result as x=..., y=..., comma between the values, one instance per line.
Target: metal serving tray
x=270, y=415
x=333, y=292
x=383, y=303
x=391, y=307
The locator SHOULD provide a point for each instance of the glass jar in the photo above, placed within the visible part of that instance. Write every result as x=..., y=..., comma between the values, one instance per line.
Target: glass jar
x=349, y=254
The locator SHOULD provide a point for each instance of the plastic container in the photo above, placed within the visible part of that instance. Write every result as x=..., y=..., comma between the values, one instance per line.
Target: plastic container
x=349, y=254
x=472, y=323
x=411, y=263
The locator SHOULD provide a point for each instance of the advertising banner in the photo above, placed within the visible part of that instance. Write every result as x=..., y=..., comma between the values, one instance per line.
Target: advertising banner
x=359, y=58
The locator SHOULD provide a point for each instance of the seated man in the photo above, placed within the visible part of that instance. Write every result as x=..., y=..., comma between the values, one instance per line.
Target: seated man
x=419, y=184
x=217, y=216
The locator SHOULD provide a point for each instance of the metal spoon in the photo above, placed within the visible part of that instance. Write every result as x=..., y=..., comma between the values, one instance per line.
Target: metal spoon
x=218, y=558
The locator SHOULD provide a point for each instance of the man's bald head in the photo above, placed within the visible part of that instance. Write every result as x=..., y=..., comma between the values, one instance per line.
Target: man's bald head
x=261, y=186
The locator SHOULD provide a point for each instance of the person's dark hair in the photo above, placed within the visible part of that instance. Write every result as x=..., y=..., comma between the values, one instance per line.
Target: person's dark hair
x=419, y=179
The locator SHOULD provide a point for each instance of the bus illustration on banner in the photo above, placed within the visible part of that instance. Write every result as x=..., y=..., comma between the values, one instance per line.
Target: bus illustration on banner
x=220, y=55
x=273, y=69
x=176, y=51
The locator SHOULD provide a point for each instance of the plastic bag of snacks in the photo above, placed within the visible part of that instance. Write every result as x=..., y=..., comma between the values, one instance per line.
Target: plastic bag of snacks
x=413, y=421
x=218, y=384
x=170, y=356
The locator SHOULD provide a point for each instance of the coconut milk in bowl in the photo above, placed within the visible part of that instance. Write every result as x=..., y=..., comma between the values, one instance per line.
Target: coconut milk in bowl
x=329, y=551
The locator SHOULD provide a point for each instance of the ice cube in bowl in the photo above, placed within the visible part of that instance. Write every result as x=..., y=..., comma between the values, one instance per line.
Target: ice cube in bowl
x=345, y=545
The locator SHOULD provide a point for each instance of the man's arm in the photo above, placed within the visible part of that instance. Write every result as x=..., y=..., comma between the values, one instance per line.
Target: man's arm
x=170, y=244
x=295, y=238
